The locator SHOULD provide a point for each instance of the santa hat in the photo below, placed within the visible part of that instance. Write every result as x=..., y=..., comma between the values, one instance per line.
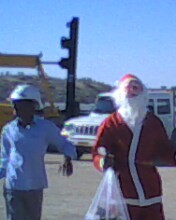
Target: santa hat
x=125, y=80
x=120, y=92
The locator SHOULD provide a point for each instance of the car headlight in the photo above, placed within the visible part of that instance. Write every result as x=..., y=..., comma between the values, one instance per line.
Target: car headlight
x=68, y=130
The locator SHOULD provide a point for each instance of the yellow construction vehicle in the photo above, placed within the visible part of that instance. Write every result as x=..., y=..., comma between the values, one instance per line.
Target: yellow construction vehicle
x=29, y=61
x=6, y=113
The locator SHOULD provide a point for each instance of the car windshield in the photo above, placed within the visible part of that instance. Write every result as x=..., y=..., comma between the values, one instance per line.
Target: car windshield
x=104, y=105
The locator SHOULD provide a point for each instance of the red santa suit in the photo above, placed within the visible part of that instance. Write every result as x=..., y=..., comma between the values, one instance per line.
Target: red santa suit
x=135, y=154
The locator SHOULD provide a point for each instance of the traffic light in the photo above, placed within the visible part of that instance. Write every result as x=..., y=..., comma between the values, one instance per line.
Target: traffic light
x=69, y=63
x=66, y=63
x=71, y=45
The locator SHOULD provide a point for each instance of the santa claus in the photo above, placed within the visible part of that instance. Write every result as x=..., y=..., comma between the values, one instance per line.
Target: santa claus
x=132, y=140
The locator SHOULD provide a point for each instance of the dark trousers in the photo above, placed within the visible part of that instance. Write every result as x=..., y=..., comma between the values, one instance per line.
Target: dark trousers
x=23, y=205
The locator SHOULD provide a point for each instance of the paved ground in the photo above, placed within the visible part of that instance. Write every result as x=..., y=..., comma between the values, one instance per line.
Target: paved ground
x=69, y=198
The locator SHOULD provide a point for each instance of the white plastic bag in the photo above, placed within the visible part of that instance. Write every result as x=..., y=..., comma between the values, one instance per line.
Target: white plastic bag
x=108, y=203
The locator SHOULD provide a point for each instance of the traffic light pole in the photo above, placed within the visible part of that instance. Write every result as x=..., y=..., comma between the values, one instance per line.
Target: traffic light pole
x=70, y=64
x=71, y=78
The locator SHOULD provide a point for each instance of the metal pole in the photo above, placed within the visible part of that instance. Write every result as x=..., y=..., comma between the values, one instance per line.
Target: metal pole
x=71, y=79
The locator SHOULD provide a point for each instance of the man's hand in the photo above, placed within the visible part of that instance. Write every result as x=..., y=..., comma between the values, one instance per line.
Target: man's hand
x=66, y=168
x=108, y=161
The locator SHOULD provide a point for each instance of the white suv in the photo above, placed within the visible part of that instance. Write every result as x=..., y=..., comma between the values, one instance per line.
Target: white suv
x=81, y=131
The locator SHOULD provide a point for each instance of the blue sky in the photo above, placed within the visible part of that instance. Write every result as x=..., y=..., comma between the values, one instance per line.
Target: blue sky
x=115, y=36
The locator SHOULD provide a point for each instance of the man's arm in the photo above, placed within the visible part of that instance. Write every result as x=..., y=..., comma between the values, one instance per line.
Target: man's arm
x=5, y=149
x=102, y=158
x=165, y=153
x=61, y=143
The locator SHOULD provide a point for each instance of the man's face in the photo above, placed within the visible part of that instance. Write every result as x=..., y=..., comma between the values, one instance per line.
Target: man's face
x=25, y=109
x=134, y=88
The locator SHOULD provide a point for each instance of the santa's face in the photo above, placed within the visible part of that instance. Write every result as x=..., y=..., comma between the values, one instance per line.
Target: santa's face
x=133, y=88
x=132, y=101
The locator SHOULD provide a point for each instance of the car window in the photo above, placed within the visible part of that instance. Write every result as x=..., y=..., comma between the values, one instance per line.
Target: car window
x=163, y=106
x=104, y=105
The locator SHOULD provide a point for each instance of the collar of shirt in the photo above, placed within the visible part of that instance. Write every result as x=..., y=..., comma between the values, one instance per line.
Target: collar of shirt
x=18, y=122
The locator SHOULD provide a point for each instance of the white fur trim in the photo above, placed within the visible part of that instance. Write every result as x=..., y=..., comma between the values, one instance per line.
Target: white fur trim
x=145, y=202
x=132, y=166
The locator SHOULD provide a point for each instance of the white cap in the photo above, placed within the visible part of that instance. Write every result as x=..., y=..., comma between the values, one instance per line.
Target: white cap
x=27, y=92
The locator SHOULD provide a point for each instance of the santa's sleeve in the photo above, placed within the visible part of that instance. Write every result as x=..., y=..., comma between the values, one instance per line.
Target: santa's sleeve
x=165, y=151
x=103, y=143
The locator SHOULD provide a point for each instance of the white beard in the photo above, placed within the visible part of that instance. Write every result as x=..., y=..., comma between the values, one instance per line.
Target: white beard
x=133, y=110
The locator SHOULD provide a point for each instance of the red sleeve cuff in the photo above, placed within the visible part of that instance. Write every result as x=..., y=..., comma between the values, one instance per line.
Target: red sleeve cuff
x=98, y=162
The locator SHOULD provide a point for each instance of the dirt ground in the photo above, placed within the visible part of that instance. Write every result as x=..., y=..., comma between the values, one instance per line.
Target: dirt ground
x=69, y=198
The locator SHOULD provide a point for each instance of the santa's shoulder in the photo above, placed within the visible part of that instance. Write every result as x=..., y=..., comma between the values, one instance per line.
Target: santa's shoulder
x=113, y=119
x=153, y=118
